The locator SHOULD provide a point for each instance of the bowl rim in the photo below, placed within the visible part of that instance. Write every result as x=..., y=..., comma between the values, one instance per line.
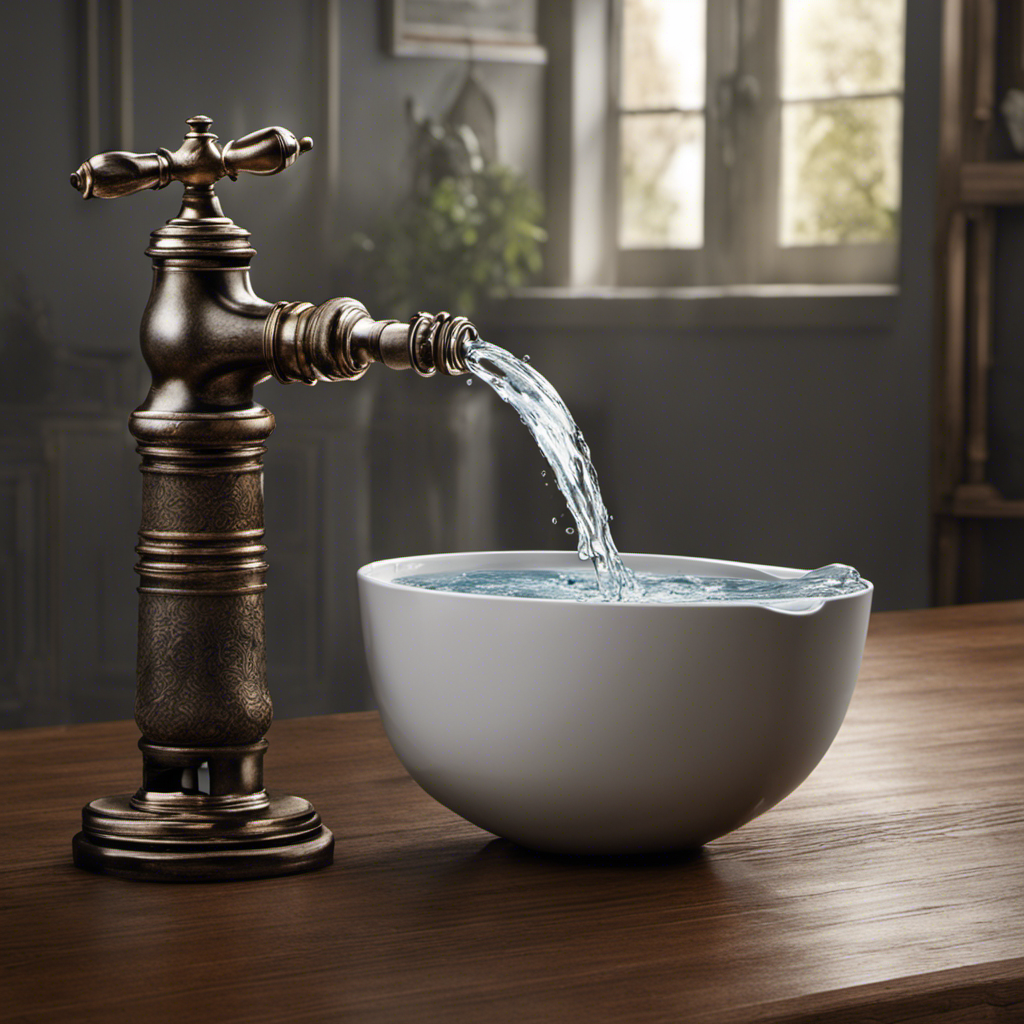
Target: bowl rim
x=796, y=606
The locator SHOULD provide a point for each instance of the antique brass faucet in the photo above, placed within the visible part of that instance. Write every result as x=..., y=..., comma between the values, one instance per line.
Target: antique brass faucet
x=202, y=702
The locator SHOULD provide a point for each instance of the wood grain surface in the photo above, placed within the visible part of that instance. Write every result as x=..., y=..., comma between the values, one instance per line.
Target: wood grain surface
x=888, y=888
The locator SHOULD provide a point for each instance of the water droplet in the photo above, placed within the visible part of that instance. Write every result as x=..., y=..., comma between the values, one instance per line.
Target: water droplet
x=526, y=359
x=554, y=519
x=469, y=382
x=569, y=530
x=543, y=472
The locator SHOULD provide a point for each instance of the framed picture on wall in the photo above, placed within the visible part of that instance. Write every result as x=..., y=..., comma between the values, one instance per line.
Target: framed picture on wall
x=504, y=30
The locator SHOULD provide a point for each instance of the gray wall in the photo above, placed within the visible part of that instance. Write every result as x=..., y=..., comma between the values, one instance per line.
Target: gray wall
x=782, y=442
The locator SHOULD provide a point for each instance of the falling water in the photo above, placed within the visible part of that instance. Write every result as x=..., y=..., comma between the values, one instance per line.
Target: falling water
x=549, y=421
x=561, y=442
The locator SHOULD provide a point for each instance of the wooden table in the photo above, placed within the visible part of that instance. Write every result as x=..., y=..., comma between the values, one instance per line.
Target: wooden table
x=889, y=887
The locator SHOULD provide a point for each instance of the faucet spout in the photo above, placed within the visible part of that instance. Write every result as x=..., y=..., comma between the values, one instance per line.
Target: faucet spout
x=338, y=340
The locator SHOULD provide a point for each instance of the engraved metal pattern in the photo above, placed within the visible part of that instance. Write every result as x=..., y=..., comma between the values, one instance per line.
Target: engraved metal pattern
x=202, y=674
x=202, y=677
x=216, y=501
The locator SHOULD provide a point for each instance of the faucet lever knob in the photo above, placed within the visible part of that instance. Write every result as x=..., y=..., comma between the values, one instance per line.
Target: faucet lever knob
x=112, y=175
x=267, y=151
x=199, y=161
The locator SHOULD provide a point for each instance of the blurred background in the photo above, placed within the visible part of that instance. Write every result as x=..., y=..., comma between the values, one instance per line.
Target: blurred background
x=712, y=226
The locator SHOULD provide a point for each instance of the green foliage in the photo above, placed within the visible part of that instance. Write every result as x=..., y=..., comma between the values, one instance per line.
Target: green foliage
x=648, y=206
x=455, y=242
x=843, y=179
x=845, y=152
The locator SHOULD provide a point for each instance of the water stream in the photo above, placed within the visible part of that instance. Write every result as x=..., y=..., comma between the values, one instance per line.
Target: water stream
x=549, y=421
x=561, y=442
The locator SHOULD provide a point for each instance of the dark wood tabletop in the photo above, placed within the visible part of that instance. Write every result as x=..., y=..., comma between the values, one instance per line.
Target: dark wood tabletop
x=889, y=887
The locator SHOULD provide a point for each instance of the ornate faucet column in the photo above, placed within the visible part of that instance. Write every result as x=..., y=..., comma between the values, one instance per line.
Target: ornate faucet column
x=201, y=656
x=202, y=702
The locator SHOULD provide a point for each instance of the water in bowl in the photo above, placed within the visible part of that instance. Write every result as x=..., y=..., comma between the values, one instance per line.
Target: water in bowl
x=654, y=588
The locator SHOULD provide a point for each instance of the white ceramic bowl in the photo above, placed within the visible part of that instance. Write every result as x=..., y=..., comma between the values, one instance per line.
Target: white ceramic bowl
x=606, y=728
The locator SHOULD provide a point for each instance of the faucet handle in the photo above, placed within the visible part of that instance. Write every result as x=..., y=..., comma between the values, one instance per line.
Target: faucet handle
x=266, y=151
x=116, y=174
x=198, y=161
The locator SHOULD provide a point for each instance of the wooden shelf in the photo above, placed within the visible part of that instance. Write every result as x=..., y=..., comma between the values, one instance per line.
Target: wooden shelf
x=982, y=41
x=992, y=183
x=1003, y=508
x=980, y=501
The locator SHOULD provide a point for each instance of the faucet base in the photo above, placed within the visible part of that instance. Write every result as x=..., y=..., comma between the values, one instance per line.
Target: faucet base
x=202, y=816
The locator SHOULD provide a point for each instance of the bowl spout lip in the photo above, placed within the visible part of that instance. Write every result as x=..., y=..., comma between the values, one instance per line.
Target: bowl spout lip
x=385, y=571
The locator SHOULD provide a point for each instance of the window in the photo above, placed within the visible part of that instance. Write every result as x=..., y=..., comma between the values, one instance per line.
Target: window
x=757, y=141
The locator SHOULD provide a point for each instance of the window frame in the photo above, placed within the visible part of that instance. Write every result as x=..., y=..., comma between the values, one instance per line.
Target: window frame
x=743, y=46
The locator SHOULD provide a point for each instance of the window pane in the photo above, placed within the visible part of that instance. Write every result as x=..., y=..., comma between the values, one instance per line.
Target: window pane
x=841, y=47
x=840, y=172
x=663, y=53
x=662, y=203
